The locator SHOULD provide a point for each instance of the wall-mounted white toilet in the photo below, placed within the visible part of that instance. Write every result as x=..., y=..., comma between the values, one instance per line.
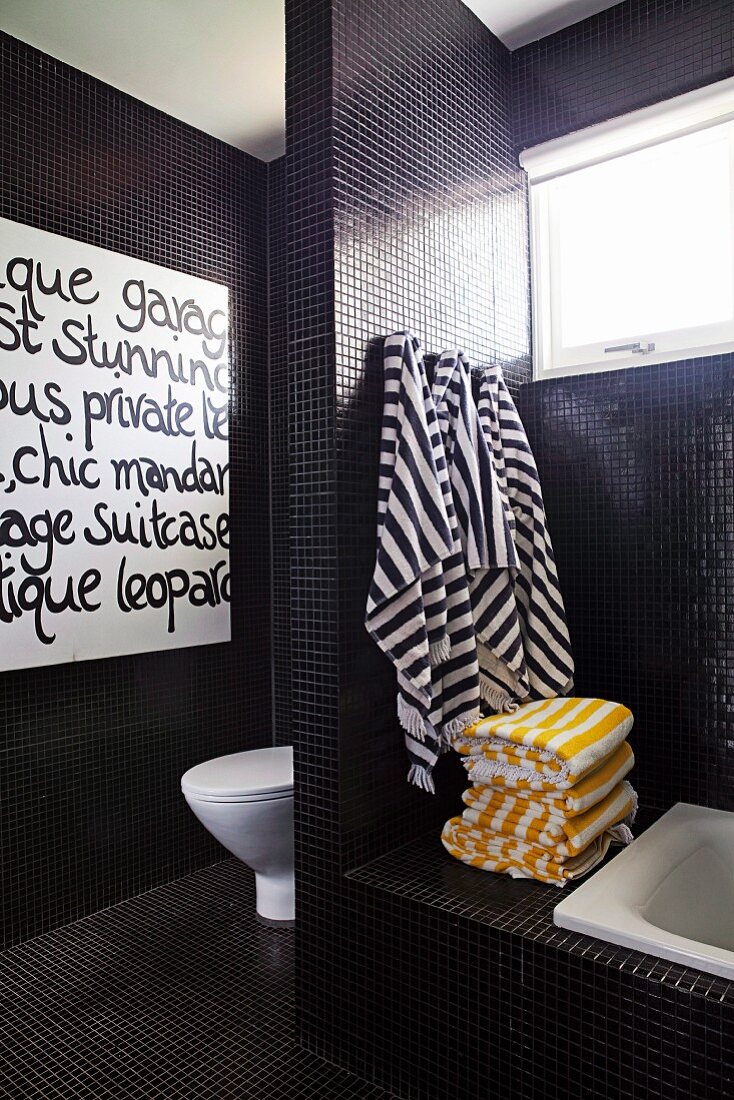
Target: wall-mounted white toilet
x=246, y=801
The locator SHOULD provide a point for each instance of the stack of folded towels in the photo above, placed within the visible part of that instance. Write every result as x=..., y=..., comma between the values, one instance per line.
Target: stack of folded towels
x=548, y=792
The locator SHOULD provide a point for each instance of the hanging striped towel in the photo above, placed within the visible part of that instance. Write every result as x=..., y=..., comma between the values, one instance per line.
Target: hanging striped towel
x=554, y=741
x=487, y=526
x=418, y=607
x=537, y=662
x=486, y=522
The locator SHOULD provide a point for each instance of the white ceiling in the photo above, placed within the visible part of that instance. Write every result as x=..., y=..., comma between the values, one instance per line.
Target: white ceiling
x=219, y=64
x=518, y=22
x=216, y=64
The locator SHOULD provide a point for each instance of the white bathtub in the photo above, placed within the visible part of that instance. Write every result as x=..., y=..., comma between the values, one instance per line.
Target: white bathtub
x=670, y=893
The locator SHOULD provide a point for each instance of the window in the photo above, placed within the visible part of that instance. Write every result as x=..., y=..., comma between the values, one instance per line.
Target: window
x=632, y=250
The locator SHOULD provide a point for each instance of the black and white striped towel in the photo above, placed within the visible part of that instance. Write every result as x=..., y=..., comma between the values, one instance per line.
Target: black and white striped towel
x=464, y=599
x=487, y=525
x=537, y=663
x=418, y=608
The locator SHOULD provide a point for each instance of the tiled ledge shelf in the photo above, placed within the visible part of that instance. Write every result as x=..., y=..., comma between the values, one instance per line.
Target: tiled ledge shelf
x=423, y=872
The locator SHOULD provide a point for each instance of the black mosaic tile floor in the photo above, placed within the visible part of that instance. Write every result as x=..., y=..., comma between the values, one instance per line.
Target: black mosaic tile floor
x=177, y=993
x=424, y=872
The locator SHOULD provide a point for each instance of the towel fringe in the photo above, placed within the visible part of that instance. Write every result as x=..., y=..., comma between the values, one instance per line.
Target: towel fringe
x=621, y=833
x=629, y=820
x=482, y=772
x=411, y=719
x=477, y=744
x=456, y=726
x=492, y=695
x=439, y=651
x=419, y=776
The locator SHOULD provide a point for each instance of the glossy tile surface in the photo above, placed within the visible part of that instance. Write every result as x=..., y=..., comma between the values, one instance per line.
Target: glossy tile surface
x=91, y=754
x=405, y=209
x=399, y=146
x=426, y=873
x=525, y=1010
x=636, y=467
x=278, y=397
x=626, y=57
x=177, y=993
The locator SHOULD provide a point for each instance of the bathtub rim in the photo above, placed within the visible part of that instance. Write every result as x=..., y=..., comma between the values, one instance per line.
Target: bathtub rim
x=608, y=906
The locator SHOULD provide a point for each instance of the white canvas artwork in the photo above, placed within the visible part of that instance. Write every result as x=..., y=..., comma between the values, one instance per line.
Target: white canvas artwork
x=114, y=457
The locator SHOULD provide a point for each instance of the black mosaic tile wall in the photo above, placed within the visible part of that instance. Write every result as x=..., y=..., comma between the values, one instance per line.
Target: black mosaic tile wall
x=627, y=57
x=637, y=465
x=406, y=208
x=279, y=381
x=430, y=235
x=314, y=680
x=91, y=754
x=638, y=476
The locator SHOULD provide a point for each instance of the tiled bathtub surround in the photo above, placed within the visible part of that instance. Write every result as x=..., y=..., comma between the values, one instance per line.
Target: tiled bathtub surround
x=530, y=1011
x=91, y=754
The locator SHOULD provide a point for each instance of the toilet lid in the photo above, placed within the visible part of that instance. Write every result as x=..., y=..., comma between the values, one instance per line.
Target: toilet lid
x=257, y=773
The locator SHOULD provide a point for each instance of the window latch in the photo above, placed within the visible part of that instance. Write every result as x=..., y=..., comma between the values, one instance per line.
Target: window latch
x=638, y=348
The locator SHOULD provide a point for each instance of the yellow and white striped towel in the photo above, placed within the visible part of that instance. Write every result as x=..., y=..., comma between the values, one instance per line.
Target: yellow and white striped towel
x=595, y=786
x=564, y=836
x=553, y=741
x=480, y=848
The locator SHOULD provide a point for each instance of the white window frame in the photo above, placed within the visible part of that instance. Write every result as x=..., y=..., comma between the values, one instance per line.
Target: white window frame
x=692, y=113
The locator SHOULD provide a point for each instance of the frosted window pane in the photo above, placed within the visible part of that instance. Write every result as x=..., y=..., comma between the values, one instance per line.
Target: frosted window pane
x=646, y=243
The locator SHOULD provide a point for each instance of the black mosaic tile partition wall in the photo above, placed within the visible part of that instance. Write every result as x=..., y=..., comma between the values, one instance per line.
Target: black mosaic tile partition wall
x=638, y=475
x=405, y=208
x=278, y=375
x=91, y=754
x=312, y=512
x=429, y=234
x=624, y=58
